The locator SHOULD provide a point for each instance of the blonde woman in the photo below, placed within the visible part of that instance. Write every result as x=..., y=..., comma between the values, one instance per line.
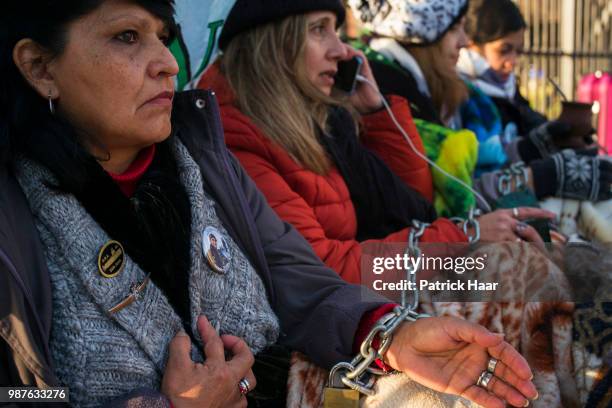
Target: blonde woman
x=299, y=141
x=343, y=188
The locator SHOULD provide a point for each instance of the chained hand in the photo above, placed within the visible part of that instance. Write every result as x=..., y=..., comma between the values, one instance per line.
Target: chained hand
x=451, y=355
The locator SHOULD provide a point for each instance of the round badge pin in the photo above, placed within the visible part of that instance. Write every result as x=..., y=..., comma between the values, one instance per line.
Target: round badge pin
x=215, y=250
x=111, y=259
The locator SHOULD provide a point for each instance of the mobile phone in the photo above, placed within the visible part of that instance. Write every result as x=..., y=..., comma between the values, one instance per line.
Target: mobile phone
x=542, y=226
x=346, y=77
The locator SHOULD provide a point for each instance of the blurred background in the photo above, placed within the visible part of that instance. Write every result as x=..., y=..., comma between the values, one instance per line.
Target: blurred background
x=566, y=40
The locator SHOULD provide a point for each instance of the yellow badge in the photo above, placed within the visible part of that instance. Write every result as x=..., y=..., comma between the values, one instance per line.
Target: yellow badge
x=111, y=259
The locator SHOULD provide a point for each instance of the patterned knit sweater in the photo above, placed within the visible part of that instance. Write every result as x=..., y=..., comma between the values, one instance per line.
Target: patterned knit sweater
x=100, y=355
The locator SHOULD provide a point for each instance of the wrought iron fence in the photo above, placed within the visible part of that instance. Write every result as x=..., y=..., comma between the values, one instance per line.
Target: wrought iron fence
x=566, y=40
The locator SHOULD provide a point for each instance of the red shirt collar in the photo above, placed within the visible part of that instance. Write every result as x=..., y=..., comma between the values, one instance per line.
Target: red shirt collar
x=128, y=180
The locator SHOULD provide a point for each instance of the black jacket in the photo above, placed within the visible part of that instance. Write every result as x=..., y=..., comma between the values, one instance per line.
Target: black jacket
x=383, y=202
x=25, y=295
x=400, y=82
x=319, y=313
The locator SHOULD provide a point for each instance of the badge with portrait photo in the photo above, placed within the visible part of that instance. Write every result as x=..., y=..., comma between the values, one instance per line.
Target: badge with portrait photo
x=215, y=249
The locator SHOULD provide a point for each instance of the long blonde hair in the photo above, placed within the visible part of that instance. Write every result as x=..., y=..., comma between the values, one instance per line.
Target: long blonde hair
x=448, y=91
x=265, y=68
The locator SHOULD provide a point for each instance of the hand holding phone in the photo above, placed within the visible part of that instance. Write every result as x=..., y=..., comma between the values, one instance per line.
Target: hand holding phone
x=365, y=97
x=346, y=77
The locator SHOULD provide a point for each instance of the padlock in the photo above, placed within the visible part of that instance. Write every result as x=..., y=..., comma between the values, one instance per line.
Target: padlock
x=340, y=398
x=336, y=395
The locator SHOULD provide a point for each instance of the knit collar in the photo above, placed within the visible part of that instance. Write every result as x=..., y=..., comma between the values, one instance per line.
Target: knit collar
x=394, y=51
x=77, y=245
x=128, y=180
x=474, y=68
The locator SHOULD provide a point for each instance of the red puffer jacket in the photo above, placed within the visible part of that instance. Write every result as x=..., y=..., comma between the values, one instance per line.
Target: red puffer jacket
x=320, y=207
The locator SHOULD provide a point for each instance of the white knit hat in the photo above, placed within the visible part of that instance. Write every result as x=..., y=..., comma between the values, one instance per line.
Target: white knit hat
x=409, y=21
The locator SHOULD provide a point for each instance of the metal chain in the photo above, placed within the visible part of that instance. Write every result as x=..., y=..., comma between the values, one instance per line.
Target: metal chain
x=517, y=172
x=358, y=374
x=504, y=183
x=417, y=231
x=472, y=222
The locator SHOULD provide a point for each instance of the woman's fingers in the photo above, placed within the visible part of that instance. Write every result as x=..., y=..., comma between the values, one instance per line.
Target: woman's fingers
x=507, y=393
x=250, y=377
x=365, y=68
x=529, y=234
x=213, y=346
x=179, y=351
x=513, y=360
x=214, y=383
x=512, y=229
x=498, y=226
x=242, y=359
x=469, y=332
x=496, y=394
x=507, y=231
x=350, y=51
x=524, y=213
x=238, y=398
x=525, y=387
x=482, y=397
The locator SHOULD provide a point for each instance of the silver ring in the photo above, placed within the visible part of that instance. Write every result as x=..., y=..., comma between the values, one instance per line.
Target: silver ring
x=515, y=212
x=244, y=386
x=484, y=379
x=491, y=365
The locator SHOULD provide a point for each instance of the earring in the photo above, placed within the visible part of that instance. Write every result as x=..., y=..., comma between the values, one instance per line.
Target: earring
x=51, y=107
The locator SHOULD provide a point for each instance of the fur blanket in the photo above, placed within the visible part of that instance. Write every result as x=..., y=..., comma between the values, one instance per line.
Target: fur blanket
x=591, y=271
x=593, y=221
x=542, y=332
x=307, y=381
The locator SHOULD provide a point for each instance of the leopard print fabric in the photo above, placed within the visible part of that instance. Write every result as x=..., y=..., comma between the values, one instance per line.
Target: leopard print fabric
x=542, y=332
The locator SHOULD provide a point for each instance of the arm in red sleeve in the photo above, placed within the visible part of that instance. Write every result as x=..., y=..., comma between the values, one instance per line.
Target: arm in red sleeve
x=366, y=325
x=342, y=255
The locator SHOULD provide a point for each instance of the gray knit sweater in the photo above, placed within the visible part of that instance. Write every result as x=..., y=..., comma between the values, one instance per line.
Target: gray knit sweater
x=101, y=356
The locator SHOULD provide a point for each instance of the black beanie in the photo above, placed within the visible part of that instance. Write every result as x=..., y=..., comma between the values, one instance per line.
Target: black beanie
x=247, y=14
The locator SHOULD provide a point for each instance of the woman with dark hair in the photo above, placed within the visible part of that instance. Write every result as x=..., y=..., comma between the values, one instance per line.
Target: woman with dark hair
x=496, y=31
x=414, y=53
x=108, y=291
